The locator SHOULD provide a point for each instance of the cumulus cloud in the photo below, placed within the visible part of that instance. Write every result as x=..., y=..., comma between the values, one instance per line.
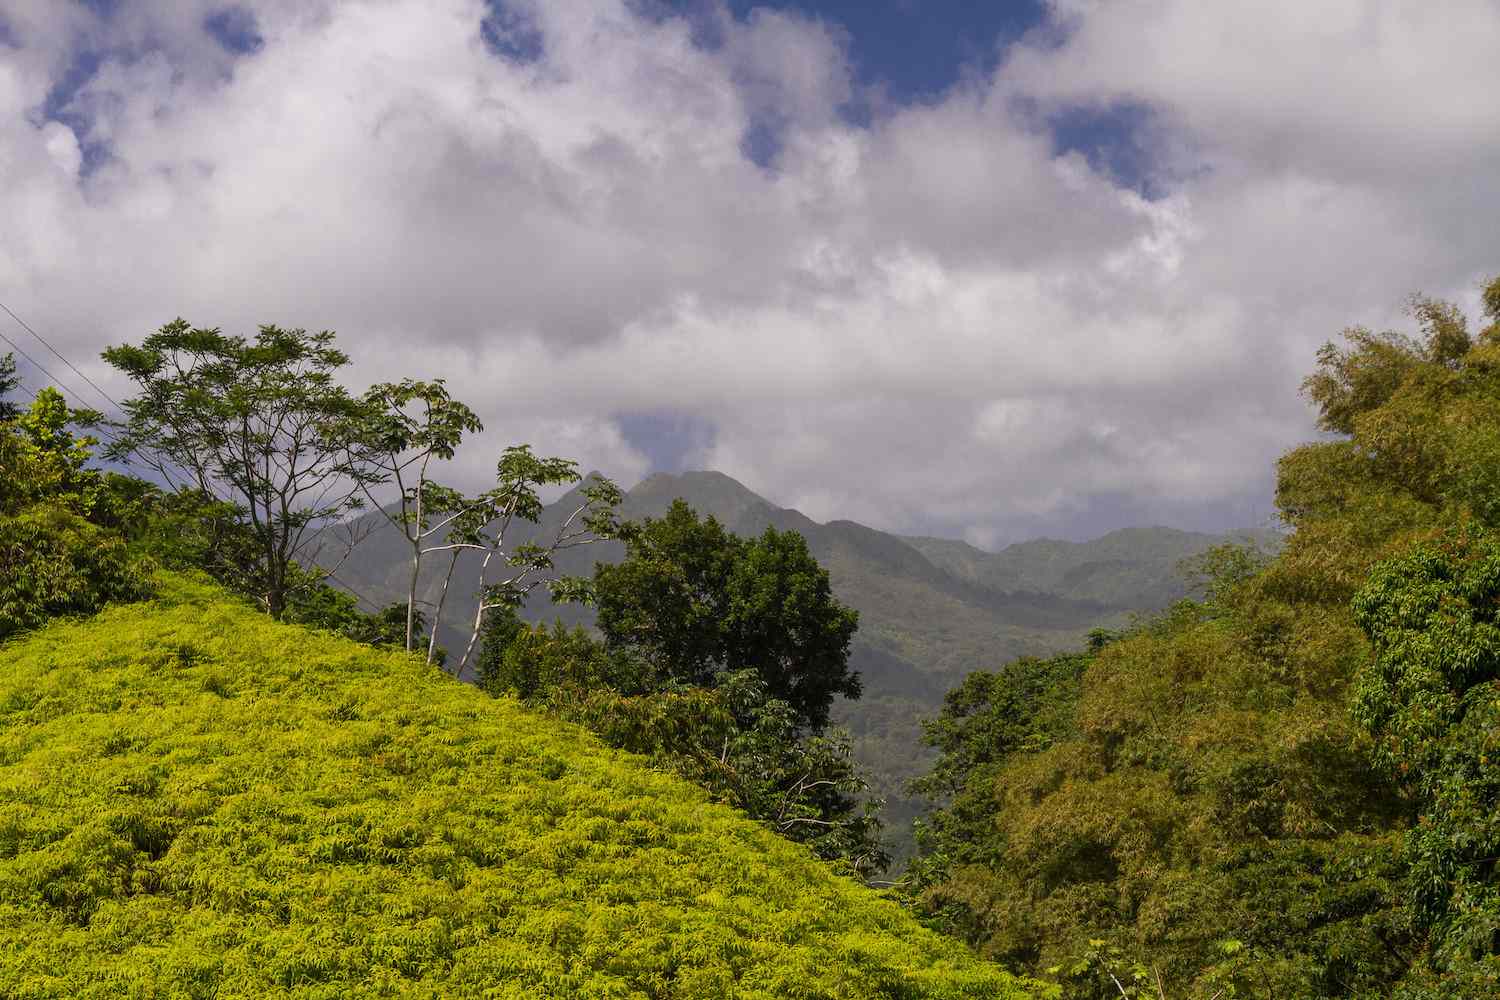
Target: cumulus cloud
x=931, y=320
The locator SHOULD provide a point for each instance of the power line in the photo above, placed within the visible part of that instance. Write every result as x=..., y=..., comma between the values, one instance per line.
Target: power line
x=64, y=387
x=36, y=398
x=22, y=351
x=27, y=327
x=160, y=467
x=61, y=385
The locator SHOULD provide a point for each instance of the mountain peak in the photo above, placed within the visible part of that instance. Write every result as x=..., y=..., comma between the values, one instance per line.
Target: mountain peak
x=698, y=478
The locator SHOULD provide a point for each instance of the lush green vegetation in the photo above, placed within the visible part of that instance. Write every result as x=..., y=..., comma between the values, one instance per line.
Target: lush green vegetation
x=739, y=643
x=57, y=553
x=1431, y=700
x=199, y=801
x=1286, y=789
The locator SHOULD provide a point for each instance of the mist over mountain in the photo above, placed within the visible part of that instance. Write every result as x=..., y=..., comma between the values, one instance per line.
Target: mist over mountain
x=931, y=609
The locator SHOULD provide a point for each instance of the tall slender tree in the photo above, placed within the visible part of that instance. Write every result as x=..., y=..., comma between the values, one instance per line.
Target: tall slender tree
x=509, y=570
x=9, y=380
x=407, y=426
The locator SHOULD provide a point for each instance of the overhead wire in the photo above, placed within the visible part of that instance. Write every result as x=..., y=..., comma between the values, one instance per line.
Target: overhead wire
x=160, y=467
x=63, y=387
x=43, y=340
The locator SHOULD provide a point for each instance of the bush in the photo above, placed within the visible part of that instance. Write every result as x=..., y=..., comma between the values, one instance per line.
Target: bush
x=54, y=563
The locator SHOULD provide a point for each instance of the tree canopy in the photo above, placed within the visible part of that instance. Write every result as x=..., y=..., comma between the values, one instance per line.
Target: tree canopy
x=696, y=601
x=720, y=658
x=1431, y=702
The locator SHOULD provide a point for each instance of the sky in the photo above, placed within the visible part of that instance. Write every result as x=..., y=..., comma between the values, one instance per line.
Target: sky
x=981, y=270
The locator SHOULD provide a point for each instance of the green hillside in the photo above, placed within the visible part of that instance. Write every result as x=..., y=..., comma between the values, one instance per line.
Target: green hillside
x=199, y=802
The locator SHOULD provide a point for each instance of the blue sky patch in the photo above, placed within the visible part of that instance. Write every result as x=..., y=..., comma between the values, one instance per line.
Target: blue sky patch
x=236, y=30
x=76, y=75
x=1113, y=140
x=917, y=49
x=761, y=143
x=62, y=105
x=671, y=441
x=510, y=34
x=104, y=8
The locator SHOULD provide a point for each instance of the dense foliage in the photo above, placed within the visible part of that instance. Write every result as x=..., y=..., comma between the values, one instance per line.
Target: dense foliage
x=928, y=613
x=9, y=382
x=197, y=801
x=1217, y=797
x=1431, y=700
x=259, y=422
x=695, y=601
x=73, y=538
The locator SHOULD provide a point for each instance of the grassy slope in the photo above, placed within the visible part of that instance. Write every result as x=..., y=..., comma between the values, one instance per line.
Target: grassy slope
x=195, y=801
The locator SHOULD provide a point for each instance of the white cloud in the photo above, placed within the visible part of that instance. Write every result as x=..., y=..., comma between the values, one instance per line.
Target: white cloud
x=931, y=323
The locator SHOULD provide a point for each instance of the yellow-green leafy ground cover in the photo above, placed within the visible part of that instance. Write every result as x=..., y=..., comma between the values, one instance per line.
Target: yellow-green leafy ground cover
x=198, y=802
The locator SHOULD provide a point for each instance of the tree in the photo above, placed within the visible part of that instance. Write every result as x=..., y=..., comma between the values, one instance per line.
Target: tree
x=9, y=380
x=509, y=570
x=406, y=427
x=1195, y=795
x=721, y=656
x=261, y=422
x=696, y=602
x=54, y=455
x=53, y=560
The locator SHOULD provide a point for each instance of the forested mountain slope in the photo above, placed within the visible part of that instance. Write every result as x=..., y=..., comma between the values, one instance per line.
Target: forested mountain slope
x=200, y=802
x=1130, y=568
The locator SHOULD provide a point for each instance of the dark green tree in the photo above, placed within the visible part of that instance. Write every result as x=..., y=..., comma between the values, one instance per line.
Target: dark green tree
x=53, y=559
x=696, y=602
x=9, y=381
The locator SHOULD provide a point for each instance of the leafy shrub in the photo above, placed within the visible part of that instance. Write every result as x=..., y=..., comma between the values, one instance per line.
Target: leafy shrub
x=53, y=563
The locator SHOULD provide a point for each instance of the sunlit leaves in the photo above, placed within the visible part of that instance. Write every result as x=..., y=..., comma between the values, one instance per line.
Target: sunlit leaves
x=197, y=801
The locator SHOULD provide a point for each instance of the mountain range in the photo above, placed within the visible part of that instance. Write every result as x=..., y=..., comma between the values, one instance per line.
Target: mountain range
x=931, y=609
